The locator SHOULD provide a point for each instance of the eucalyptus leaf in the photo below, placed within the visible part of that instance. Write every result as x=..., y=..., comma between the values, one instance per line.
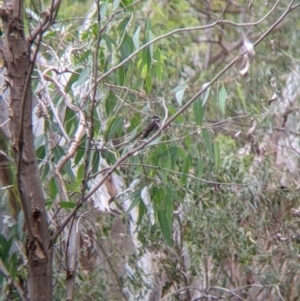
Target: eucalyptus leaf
x=222, y=99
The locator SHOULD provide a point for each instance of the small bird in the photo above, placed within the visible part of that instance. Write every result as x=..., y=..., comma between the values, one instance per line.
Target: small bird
x=152, y=126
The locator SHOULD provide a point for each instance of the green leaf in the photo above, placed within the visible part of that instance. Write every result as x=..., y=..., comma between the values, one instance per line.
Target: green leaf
x=216, y=156
x=103, y=10
x=126, y=48
x=108, y=156
x=165, y=226
x=82, y=77
x=222, y=99
x=159, y=65
x=121, y=74
x=122, y=26
x=80, y=151
x=115, y=127
x=41, y=152
x=80, y=171
x=116, y=4
x=58, y=152
x=84, y=55
x=136, y=38
x=110, y=102
x=179, y=92
x=74, y=186
x=70, y=122
x=168, y=152
x=241, y=94
x=136, y=196
x=67, y=205
x=125, y=3
x=185, y=170
x=199, y=167
x=48, y=203
x=149, y=39
x=53, y=189
x=5, y=246
x=73, y=79
x=148, y=83
x=205, y=98
x=207, y=143
x=169, y=208
x=39, y=141
x=198, y=111
x=13, y=265
x=172, y=191
x=158, y=196
x=147, y=58
x=95, y=161
x=142, y=211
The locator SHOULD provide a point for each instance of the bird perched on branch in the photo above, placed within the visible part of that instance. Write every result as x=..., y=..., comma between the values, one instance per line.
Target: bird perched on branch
x=152, y=126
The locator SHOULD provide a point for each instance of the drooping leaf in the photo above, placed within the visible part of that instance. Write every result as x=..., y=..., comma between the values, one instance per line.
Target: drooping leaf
x=149, y=39
x=103, y=10
x=222, y=99
x=179, y=92
x=142, y=211
x=207, y=143
x=110, y=102
x=159, y=64
x=5, y=246
x=80, y=151
x=198, y=111
x=126, y=47
x=82, y=77
x=241, y=94
x=136, y=38
x=53, y=189
x=122, y=26
x=185, y=170
x=74, y=186
x=199, y=167
x=216, y=156
x=136, y=198
x=168, y=152
x=70, y=122
x=165, y=226
x=67, y=205
x=148, y=83
x=115, y=126
x=121, y=73
x=205, y=97
x=116, y=4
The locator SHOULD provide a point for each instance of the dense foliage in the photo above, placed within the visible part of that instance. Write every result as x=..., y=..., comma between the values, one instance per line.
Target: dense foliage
x=207, y=204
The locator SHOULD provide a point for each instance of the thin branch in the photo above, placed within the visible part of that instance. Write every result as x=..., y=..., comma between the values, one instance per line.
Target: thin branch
x=46, y=22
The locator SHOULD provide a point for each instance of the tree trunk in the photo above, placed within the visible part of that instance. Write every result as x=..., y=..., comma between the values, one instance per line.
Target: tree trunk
x=16, y=54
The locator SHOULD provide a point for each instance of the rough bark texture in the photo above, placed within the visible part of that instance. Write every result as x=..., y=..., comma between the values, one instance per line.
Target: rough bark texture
x=16, y=53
